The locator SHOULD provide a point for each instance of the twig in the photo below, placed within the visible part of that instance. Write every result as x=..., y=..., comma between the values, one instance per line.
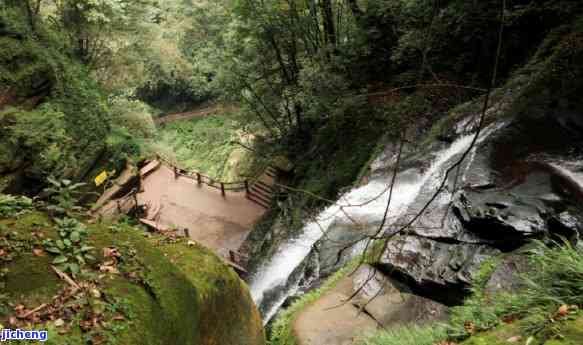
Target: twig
x=66, y=278
x=35, y=310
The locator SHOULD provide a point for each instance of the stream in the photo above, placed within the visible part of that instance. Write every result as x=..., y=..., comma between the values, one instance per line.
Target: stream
x=278, y=278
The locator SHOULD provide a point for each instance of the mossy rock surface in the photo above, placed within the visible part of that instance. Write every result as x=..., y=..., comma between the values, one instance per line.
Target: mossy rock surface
x=571, y=333
x=169, y=292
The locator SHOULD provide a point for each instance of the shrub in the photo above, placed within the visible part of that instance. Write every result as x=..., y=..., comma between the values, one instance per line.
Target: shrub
x=71, y=248
x=133, y=115
x=12, y=205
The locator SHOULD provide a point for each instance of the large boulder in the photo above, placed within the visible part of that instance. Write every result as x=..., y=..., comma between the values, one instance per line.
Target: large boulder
x=153, y=291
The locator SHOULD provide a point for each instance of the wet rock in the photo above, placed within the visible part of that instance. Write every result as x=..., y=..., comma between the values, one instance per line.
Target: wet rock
x=391, y=303
x=432, y=267
x=566, y=226
x=340, y=244
x=504, y=195
x=506, y=275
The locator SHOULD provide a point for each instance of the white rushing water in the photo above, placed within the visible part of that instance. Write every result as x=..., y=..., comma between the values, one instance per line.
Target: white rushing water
x=571, y=170
x=275, y=273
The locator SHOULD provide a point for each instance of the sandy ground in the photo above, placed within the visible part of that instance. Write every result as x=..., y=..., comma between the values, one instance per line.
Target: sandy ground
x=220, y=223
x=330, y=321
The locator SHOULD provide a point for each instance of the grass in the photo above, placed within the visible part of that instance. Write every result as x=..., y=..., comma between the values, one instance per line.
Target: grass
x=555, y=279
x=206, y=145
x=408, y=335
x=554, y=282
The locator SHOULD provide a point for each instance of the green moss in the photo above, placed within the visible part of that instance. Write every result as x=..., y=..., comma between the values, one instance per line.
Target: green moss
x=177, y=301
x=571, y=333
x=145, y=315
x=30, y=280
x=168, y=293
x=225, y=299
x=499, y=336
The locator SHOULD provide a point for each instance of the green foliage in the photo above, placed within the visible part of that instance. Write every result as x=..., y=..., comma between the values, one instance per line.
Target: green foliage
x=203, y=144
x=37, y=135
x=408, y=335
x=11, y=206
x=63, y=195
x=71, y=248
x=483, y=316
x=133, y=115
x=555, y=278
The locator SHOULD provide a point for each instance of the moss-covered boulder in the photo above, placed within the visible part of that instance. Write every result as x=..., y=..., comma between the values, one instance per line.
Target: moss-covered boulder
x=153, y=291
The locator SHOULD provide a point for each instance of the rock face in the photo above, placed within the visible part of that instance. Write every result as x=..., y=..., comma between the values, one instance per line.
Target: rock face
x=378, y=302
x=521, y=182
x=390, y=302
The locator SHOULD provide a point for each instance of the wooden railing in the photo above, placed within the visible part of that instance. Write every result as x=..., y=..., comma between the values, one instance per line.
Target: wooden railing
x=255, y=190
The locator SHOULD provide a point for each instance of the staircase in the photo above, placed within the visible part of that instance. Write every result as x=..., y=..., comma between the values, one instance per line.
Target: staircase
x=262, y=191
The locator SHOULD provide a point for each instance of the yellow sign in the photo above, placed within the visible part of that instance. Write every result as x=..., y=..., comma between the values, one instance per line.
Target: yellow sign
x=101, y=178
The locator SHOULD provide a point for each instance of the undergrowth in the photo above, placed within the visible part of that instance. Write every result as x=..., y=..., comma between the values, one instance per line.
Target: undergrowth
x=203, y=144
x=412, y=335
x=555, y=279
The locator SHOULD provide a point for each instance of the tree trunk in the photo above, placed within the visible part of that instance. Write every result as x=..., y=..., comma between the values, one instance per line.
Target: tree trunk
x=328, y=20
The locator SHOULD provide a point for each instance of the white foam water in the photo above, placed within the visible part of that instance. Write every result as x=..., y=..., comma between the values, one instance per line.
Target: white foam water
x=363, y=204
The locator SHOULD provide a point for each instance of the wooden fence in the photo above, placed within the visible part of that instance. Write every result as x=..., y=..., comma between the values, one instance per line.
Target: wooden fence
x=255, y=190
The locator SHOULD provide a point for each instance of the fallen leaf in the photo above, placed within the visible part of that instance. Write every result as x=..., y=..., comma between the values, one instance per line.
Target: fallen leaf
x=85, y=325
x=96, y=293
x=111, y=252
x=470, y=327
x=563, y=310
x=514, y=339
x=97, y=339
x=108, y=269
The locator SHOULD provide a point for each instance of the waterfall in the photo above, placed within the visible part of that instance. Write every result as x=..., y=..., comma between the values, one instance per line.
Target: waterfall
x=571, y=171
x=363, y=204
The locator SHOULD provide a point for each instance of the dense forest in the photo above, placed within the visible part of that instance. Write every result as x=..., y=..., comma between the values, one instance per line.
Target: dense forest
x=344, y=154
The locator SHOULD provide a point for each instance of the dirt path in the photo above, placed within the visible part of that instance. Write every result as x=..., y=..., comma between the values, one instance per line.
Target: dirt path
x=220, y=223
x=330, y=321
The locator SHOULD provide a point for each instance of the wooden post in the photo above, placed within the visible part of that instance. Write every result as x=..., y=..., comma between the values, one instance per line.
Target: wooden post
x=198, y=178
x=246, y=186
x=223, y=189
